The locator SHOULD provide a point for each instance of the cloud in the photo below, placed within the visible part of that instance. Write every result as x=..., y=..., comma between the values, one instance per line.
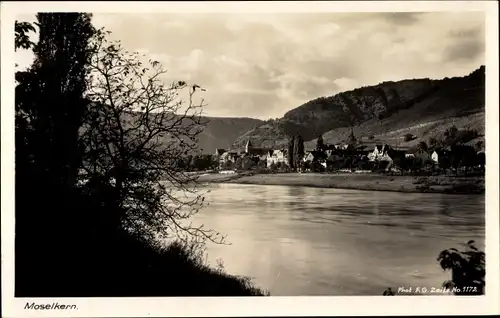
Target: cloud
x=468, y=50
x=262, y=65
x=402, y=18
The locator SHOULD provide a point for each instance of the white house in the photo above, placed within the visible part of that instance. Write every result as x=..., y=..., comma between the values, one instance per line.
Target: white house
x=438, y=155
x=385, y=157
x=379, y=153
x=276, y=156
x=435, y=157
x=309, y=156
x=342, y=146
x=228, y=156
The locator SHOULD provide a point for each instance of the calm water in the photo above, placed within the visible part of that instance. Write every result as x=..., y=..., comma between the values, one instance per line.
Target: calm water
x=309, y=241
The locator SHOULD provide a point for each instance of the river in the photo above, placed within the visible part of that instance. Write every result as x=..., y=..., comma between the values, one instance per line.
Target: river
x=298, y=241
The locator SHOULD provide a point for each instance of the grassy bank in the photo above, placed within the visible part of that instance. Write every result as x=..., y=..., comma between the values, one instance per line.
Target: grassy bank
x=371, y=181
x=75, y=251
x=128, y=268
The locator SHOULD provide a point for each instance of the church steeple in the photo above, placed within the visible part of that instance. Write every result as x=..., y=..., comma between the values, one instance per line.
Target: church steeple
x=248, y=146
x=352, y=139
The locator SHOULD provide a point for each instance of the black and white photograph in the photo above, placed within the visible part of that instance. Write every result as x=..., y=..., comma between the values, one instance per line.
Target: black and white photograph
x=198, y=153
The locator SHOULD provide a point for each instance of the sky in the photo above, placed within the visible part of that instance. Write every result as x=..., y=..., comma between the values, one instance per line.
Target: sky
x=262, y=65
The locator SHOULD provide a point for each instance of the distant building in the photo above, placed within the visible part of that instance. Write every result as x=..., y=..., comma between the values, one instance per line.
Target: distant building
x=217, y=154
x=341, y=146
x=228, y=157
x=380, y=153
x=308, y=156
x=419, y=155
x=253, y=151
x=314, y=155
x=440, y=155
x=276, y=157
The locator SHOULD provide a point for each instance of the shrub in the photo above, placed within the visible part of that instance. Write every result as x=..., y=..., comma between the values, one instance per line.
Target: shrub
x=467, y=269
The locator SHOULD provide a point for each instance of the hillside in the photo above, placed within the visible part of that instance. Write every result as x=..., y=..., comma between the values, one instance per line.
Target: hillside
x=384, y=112
x=221, y=132
x=217, y=132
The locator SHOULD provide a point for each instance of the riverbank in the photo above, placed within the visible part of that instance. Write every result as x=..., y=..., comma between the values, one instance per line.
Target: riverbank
x=370, y=182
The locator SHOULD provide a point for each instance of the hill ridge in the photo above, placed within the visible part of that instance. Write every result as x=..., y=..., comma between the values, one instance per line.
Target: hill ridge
x=389, y=103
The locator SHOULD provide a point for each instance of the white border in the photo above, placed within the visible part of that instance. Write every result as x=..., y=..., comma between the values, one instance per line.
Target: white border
x=261, y=306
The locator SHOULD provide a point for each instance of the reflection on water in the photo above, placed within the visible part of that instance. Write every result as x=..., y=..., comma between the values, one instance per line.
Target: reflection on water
x=309, y=241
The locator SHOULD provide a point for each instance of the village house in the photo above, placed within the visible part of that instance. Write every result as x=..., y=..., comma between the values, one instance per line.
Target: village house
x=308, y=156
x=218, y=153
x=315, y=155
x=440, y=156
x=253, y=151
x=276, y=157
x=419, y=154
x=341, y=146
x=228, y=156
x=380, y=153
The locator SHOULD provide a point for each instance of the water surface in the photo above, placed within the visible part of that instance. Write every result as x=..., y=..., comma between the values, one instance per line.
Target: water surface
x=312, y=241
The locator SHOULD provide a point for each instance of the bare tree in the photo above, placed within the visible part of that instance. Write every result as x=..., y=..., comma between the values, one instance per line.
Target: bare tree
x=136, y=130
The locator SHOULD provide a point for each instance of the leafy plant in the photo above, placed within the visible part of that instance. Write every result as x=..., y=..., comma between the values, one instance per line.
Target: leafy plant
x=467, y=269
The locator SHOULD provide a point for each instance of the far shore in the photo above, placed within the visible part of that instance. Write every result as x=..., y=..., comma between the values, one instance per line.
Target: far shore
x=369, y=182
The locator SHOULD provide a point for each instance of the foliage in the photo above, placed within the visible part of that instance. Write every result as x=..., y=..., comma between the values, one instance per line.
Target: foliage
x=21, y=39
x=351, y=140
x=200, y=163
x=463, y=156
x=290, y=152
x=49, y=103
x=298, y=152
x=388, y=292
x=481, y=159
x=316, y=166
x=320, y=145
x=423, y=146
x=453, y=136
x=274, y=167
x=228, y=165
x=467, y=269
x=433, y=143
x=479, y=145
x=137, y=129
x=91, y=172
x=245, y=163
x=262, y=164
x=451, y=132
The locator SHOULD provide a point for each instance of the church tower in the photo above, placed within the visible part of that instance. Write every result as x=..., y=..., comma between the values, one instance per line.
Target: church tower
x=248, y=146
x=352, y=139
